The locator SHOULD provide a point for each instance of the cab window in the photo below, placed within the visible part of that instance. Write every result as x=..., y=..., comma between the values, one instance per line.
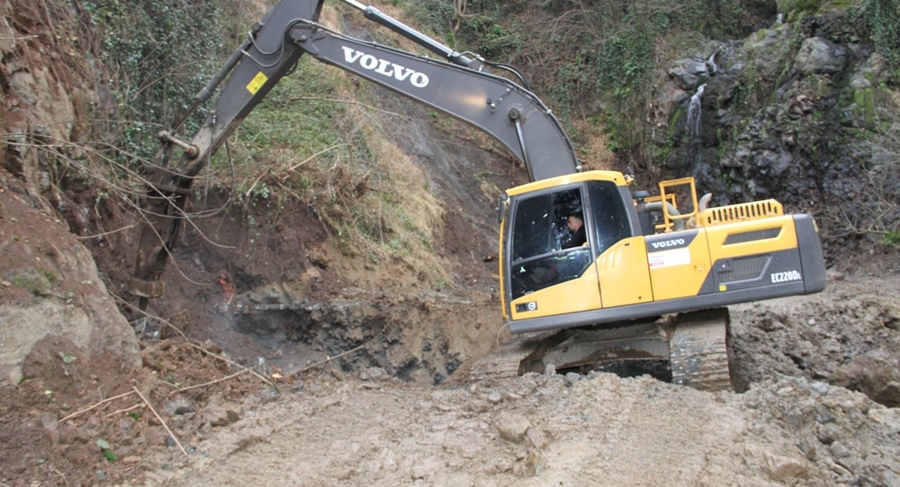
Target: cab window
x=541, y=250
x=611, y=222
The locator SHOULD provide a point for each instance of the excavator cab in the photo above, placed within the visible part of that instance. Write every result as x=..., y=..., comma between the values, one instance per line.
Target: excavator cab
x=543, y=250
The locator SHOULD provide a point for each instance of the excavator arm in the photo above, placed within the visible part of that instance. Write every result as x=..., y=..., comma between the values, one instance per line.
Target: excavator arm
x=458, y=87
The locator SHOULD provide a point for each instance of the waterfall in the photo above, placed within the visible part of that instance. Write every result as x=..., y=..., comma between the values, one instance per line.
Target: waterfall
x=712, y=63
x=779, y=19
x=693, y=125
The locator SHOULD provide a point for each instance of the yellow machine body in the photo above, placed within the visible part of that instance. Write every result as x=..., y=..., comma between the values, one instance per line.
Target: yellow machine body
x=633, y=267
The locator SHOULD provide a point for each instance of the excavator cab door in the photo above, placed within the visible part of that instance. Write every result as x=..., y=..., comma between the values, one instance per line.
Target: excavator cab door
x=551, y=272
x=548, y=258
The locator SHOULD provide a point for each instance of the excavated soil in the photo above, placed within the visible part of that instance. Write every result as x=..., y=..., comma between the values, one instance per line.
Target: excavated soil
x=799, y=422
x=792, y=426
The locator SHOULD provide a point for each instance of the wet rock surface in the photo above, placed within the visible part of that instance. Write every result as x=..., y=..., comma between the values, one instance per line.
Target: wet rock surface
x=377, y=321
x=779, y=117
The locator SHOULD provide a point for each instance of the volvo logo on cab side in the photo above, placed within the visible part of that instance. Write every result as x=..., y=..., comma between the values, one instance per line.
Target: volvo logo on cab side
x=672, y=241
x=385, y=68
x=678, y=242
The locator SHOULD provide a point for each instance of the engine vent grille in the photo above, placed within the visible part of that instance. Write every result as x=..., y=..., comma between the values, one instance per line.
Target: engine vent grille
x=744, y=268
x=742, y=237
x=742, y=212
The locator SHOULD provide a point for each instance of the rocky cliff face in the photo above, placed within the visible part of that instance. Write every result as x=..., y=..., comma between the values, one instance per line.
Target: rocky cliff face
x=49, y=284
x=785, y=113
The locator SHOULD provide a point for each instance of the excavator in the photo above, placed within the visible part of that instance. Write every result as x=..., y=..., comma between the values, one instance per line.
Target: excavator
x=652, y=279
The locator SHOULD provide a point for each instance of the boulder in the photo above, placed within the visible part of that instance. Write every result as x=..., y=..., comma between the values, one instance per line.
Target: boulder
x=688, y=73
x=52, y=288
x=512, y=427
x=818, y=55
x=868, y=72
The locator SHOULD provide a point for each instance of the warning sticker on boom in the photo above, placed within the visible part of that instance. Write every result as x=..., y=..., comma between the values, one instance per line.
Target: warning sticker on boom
x=668, y=258
x=257, y=82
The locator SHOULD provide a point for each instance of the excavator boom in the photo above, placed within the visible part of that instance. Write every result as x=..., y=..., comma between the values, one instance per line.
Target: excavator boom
x=459, y=87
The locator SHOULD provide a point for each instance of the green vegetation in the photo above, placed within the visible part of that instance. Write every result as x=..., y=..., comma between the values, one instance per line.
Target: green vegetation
x=891, y=238
x=590, y=59
x=34, y=281
x=883, y=20
x=158, y=56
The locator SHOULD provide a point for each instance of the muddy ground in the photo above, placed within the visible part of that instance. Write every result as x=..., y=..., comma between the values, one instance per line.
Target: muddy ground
x=793, y=425
x=817, y=374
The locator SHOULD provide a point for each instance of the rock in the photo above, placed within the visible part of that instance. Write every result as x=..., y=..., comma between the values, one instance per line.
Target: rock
x=839, y=470
x=838, y=450
x=827, y=434
x=221, y=415
x=180, y=406
x=868, y=72
x=427, y=468
x=64, y=306
x=688, y=73
x=834, y=275
x=783, y=469
x=537, y=439
x=512, y=427
x=890, y=479
x=372, y=373
x=889, y=417
x=818, y=55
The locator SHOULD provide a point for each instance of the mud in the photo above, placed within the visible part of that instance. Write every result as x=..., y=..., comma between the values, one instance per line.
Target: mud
x=789, y=425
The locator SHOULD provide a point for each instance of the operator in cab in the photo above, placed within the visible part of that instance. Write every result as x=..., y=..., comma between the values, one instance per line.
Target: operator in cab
x=576, y=226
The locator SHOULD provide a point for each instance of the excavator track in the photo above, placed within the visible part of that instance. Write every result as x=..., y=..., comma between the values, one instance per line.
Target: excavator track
x=506, y=360
x=698, y=350
x=694, y=345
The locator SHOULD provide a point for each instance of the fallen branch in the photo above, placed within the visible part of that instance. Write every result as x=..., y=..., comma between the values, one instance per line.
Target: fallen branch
x=60, y=474
x=295, y=166
x=210, y=382
x=88, y=237
x=141, y=405
x=150, y=406
x=321, y=362
x=76, y=413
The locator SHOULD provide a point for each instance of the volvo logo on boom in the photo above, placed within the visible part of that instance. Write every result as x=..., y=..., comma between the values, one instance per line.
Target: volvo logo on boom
x=678, y=242
x=385, y=67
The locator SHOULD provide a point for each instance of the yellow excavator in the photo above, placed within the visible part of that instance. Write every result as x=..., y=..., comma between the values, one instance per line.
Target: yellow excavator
x=631, y=269
x=648, y=278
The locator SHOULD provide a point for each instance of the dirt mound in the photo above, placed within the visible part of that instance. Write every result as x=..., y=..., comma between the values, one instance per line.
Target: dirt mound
x=552, y=430
x=848, y=336
x=787, y=428
x=77, y=420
